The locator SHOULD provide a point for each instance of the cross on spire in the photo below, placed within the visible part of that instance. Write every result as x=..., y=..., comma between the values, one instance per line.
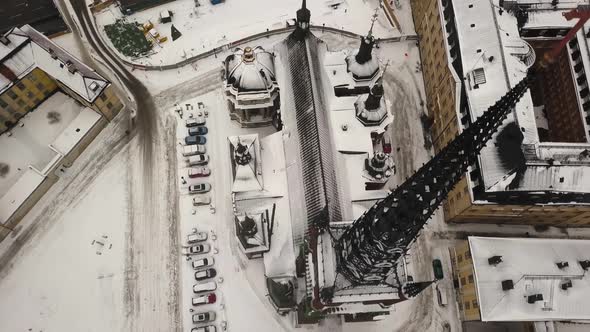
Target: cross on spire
x=373, y=19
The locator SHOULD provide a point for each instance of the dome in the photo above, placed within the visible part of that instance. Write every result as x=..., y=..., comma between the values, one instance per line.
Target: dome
x=250, y=70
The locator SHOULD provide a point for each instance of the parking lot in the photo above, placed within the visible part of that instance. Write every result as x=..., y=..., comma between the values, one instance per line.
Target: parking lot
x=239, y=284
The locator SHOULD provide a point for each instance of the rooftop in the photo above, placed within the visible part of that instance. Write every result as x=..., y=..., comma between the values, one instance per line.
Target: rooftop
x=41, y=14
x=28, y=49
x=493, y=59
x=531, y=265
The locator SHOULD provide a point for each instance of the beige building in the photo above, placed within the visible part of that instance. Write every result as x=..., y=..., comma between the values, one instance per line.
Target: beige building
x=51, y=107
x=534, y=281
x=542, y=181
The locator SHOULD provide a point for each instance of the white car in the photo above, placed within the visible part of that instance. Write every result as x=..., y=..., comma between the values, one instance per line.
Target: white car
x=197, y=121
x=191, y=150
x=204, y=317
x=198, y=249
x=196, y=237
x=205, y=287
x=203, y=262
x=199, y=188
x=201, y=200
x=200, y=159
x=209, y=328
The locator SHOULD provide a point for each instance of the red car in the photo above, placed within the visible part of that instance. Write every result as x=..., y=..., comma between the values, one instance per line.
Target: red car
x=199, y=172
x=205, y=299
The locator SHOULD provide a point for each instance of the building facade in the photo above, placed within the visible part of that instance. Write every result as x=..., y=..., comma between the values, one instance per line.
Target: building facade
x=251, y=88
x=526, y=185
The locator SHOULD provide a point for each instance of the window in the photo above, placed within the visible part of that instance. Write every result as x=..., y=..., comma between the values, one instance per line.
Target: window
x=459, y=258
x=474, y=303
x=460, y=306
x=109, y=105
x=467, y=306
x=40, y=86
x=21, y=86
x=3, y=103
x=103, y=97
x=33, y=78
x=29, y=94
x=37, y=101
x=471, y=278
x=463, y=282
x=467, y=254
x=20, y=103
x=11, y=94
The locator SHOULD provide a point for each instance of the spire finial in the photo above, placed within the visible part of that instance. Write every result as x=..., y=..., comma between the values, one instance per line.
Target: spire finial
x=303, y=5
x=373, y=19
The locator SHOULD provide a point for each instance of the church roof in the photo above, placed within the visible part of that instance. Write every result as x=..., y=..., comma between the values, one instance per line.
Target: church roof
x=250, y=69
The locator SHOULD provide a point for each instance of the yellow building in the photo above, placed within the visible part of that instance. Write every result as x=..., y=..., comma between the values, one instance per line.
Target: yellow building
x=32, y=68
x=537, y=184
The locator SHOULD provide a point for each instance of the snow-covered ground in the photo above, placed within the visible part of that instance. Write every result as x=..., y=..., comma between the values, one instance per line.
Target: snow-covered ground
x=202, y=29
x=69, y=274
x=29, y=144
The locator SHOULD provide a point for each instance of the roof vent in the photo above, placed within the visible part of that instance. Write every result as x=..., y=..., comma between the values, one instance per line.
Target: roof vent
x=71, y=68
x=534, y=298
x=562, y=265
x=585, y=264
x=4, y=39
x=93, y=86
x=566, y=285
x=477, y=77
x=495, y=260
x=507, y=284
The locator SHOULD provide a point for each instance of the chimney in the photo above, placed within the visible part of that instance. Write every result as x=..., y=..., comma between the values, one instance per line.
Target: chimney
x=495, y=260
x=8, y=73
x=4, y=40
x=585, y=264
x=566, y=285
x=562, y=265
x=534, y=298
x=507, y=284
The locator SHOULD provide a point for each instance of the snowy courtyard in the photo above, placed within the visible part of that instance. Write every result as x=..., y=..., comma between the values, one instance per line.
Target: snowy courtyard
x=245, y=18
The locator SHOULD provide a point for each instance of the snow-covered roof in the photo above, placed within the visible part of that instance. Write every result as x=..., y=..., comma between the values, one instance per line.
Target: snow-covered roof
x=29, y=49
x=251, y=69
x=75, y=131
x=531, y=264
x=248, y=176
x=492, y=53
x=19, y=192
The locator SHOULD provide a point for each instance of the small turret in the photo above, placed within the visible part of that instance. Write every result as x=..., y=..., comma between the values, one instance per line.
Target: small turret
x=303, y=19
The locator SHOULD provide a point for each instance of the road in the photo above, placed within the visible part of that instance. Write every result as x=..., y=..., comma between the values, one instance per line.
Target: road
x=151, y=284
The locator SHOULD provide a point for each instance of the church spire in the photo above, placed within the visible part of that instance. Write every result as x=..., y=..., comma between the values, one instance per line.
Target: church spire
x=368, y=252
x=367, y=42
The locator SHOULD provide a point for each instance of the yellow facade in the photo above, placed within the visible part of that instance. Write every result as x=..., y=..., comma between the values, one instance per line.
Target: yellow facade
x=442, y=88
x=23, y=96
x=463, y=272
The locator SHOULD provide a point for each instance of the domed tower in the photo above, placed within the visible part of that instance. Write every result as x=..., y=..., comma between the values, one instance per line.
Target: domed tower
x=251, y=87
x=370, y=108
x=362, y=64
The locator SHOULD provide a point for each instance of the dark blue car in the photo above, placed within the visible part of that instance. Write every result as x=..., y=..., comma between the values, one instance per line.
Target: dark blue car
x=201, y=130
x=192, y=140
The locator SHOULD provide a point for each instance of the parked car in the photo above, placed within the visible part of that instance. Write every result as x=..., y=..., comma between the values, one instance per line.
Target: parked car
x=199, y=249
x=205, y=274
x=205, y=299
x=196, y=121
x=196, y=237
x=438, y=269
x=203, y=317
x=205, y=287
x=199, y=188
x=199, y=172
x=208, y=328
x=191, y=150
x=441, y=295
x=200, y=130
x=203, y=262
x=202, y=200
x=192, y=140
x=200, y=159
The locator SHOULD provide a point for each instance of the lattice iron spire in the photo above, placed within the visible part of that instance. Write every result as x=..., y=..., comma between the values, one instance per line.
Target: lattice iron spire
x=368, y=252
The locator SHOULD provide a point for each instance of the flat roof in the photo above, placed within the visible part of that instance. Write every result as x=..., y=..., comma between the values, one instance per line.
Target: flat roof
x=531, y=264
x=489, y=41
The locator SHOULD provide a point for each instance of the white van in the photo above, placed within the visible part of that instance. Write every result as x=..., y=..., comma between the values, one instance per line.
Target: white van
x=200, y=159
x=191, y=150
x=441, y=295
x=205, y=287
